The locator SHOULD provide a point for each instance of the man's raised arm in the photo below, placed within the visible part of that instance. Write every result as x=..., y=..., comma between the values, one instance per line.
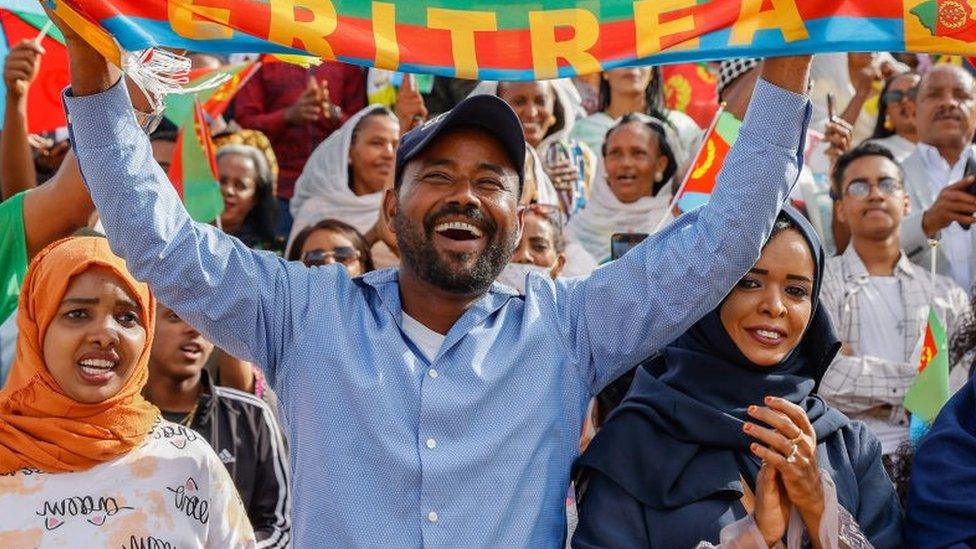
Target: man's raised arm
x=627, y=310
x=242, y=300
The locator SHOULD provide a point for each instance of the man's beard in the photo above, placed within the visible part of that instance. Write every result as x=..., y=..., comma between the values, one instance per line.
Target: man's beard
x=417, y=251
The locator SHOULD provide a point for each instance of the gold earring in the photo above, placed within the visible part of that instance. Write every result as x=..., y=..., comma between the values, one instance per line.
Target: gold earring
x=889, y=125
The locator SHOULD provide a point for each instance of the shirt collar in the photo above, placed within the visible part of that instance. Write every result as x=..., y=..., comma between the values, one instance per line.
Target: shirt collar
x=386, y=284
x=857, y=272
x=932, y=157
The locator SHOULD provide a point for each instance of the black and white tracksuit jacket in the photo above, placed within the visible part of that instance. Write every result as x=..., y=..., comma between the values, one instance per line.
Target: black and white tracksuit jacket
x=247, y=438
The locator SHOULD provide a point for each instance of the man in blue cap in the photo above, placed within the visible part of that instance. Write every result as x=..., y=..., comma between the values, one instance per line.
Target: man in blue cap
x=427, y=406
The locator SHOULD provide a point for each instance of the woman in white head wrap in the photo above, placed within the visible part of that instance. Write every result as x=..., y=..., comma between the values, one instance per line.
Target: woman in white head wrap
x=641, y=155
x=634, y=89
x=347, y=174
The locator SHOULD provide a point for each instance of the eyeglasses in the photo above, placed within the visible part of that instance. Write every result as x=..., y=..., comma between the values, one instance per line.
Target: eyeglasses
x=341, y=254
x=860, y=188
x=892, y=97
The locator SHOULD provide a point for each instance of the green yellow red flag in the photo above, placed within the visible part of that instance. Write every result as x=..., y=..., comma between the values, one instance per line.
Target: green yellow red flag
x=701, y=177
x=194, y=168
x=930, y=390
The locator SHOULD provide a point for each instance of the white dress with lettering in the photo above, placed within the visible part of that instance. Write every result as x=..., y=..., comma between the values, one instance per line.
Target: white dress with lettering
x=172, y=491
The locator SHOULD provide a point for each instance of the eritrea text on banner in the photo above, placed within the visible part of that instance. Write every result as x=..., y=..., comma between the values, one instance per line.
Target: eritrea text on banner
x=520, y=40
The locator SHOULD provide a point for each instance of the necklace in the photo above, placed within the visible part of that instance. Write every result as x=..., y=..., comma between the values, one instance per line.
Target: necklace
x=188, y=418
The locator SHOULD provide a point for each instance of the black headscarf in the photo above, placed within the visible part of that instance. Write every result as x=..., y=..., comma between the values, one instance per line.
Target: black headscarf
x=677, y=438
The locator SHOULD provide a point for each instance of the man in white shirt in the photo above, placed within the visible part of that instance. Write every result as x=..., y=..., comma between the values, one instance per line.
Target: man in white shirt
x=878, y=300
x=935, y=174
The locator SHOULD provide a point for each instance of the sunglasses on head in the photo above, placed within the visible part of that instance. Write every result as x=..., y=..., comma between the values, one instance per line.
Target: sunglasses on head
x=897, y=96
x=860, y=188
x=341, y=254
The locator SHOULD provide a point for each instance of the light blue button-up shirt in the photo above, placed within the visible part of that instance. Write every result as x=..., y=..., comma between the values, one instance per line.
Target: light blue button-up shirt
x=473, y=449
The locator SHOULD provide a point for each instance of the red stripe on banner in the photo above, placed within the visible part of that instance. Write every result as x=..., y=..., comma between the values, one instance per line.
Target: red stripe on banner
x=890, y=9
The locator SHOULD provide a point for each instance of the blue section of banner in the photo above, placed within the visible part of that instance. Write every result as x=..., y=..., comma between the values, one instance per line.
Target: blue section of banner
x=26, y=6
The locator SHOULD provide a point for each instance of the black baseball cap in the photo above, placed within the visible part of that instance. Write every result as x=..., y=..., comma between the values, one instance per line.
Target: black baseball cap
x=487, y=112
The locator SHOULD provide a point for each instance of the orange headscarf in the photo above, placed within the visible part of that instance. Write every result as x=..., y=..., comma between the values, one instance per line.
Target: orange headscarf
x=40, y=426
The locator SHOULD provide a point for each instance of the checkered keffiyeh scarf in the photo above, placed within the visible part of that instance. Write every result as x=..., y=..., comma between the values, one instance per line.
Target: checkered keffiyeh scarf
x=730, y=69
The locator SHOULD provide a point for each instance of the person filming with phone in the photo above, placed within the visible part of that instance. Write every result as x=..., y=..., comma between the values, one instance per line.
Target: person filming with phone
x=939, y=175
x=641, y=154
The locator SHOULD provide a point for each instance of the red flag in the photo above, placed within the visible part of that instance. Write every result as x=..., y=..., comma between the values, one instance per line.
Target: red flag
x=691, y=89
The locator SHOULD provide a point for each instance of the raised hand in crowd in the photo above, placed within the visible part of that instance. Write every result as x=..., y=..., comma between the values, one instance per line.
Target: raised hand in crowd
x=839, y=136
x=19, y=71
x=410, y=108
x=954, y=203
x=20, y=68
x=312, y=105
x=868, y=71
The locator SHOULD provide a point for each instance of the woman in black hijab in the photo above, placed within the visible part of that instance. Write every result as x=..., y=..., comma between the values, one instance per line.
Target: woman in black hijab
x=722, y=438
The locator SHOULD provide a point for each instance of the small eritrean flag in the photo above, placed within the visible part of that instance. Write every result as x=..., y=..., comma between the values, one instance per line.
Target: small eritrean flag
x=194, y=168
x=701, y=177
x=947, y=18
x=930, y=390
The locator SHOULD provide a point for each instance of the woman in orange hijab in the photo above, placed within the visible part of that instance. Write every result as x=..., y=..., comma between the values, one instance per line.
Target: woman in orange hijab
x=84, y=459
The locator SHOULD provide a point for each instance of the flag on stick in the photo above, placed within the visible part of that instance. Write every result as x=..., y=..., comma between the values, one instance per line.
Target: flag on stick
x=930, y=390
x=194, y=168
x=703, y=174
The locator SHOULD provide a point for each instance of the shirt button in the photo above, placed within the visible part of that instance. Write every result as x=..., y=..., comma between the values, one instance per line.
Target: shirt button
x=432, y=516
x=432, y=373
x=431, y=443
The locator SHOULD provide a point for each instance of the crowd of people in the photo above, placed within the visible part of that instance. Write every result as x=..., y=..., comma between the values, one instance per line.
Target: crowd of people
x=412, y=324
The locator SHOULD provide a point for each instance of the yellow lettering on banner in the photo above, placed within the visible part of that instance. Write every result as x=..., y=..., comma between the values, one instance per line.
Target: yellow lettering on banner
x=650, y=28
x=384, y=36
x=784, y=16
x=546, y=50
x=199, y=22
x=463, y=25
x=318, y=21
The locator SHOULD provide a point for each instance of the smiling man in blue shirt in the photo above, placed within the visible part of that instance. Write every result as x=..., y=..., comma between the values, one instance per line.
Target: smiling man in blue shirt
x=426, y=406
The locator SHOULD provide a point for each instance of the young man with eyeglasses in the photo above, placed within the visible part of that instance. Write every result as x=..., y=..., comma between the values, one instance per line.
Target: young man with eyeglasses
x=878, y=299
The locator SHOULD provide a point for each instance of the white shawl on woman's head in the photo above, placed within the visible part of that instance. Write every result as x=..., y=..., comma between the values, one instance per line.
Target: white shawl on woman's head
x=605, y=215
x=323, y=192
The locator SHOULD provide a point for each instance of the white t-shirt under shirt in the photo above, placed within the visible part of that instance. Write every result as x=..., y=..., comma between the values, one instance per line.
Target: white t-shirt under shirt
x=882, y=319
x=172, y=491
x=428, y=341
